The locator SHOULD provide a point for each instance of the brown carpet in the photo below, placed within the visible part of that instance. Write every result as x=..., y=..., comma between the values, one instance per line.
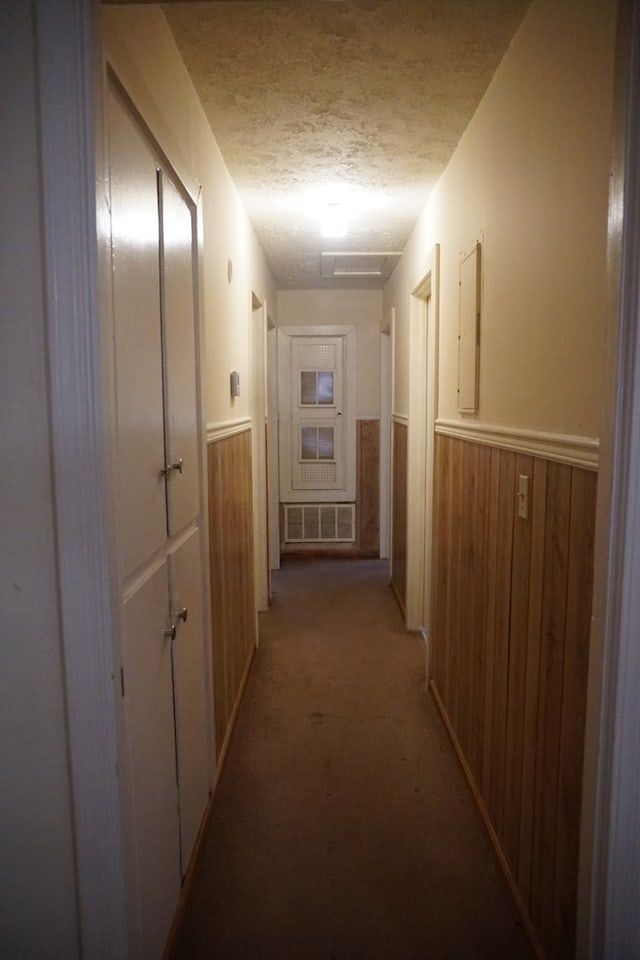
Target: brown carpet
x=343, y=827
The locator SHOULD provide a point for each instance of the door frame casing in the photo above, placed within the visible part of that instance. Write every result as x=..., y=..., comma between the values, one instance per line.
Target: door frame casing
x=348, y=332
x=273, y=459
x=609, y=869
x=423, y=399
x=259, y=408
x=69, y=66
x=385, y=442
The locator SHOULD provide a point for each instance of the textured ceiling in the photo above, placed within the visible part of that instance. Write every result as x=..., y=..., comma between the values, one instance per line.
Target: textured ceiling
x=365, y=96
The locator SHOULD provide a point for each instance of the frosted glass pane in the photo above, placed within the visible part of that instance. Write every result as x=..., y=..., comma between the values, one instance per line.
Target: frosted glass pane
x=325, y=386
x=309, y=443
x=325, y=443
x=308, y=387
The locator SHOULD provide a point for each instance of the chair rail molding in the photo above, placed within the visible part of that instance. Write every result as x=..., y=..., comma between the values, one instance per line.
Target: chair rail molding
x=562, y=448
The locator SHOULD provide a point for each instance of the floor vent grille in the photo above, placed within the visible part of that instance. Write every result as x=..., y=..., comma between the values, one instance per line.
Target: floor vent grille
x=319, y=522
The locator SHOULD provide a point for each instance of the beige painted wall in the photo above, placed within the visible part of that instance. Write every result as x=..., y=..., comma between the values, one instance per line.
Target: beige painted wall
x=142, y=51
x=531, y=175
x=363, y=308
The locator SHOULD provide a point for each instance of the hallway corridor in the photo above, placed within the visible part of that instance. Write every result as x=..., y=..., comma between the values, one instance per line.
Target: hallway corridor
x=342, y=825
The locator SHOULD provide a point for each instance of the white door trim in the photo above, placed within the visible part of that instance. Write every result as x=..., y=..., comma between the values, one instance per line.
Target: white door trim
x=67, y=68
x=273, y=445
x=258, y=449
x=423, y=392
x=609, y=881
x=385, y=442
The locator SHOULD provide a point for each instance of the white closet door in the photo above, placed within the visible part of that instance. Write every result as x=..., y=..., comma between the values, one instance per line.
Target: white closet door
x=180, y=356
x=137, y=331
x=189, y=672
x=148, y=703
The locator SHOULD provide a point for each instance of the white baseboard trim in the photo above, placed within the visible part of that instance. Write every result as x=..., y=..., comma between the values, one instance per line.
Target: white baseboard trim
x=563, y=448
x=227, y=428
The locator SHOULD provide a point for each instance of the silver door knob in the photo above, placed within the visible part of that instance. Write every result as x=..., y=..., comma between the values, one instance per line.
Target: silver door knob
x=182, y=614
x=170, y=632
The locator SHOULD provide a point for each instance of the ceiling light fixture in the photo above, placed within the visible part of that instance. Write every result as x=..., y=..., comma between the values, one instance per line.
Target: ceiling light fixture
x=333, y=220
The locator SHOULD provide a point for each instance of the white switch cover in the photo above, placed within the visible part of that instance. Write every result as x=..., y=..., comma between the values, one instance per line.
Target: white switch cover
x=523, y=496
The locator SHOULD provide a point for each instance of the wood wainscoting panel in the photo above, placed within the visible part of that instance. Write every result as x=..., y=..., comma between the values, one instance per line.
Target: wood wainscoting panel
x=574, y=706
x=232, y=588
x=550, y=696
x=512, y=603
x=537, y=505
x=368, y=493
x=399, y=513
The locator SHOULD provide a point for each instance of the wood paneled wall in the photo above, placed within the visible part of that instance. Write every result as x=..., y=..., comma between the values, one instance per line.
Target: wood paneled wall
x=512, y=604
x=368, y=487
x=232, y=581
x=399, y=513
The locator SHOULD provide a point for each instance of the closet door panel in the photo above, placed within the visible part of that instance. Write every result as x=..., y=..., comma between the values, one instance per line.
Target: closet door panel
x=189, y=677
x=137, y=332
x=148, y=703
x=180, y=356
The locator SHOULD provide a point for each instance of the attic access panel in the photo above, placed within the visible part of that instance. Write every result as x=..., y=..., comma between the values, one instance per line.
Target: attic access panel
x=348, y=264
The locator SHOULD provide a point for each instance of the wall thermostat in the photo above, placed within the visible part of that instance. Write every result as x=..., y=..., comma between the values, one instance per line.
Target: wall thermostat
x=234, y=379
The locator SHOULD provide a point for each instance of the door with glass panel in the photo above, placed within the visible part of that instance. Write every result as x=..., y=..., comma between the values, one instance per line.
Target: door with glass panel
x=317, y=423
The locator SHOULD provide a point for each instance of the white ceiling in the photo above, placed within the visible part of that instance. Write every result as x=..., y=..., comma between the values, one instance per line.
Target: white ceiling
x=368, y=97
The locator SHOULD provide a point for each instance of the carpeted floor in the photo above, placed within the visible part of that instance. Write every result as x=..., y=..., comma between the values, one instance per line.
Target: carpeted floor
x=343, y=827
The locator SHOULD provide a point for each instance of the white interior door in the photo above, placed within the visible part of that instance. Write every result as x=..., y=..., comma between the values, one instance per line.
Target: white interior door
x=148, y=703
x=317, y=415
x=189, y=690
x=181, y=411
x=141, y=501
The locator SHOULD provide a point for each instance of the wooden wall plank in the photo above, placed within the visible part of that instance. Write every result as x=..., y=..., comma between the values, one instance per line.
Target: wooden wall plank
x=233, y=625
x=506, y=500
x=447, y=544
x=440, y=560
x=490, y=617
x=516, y=685
x=465, y=587
x=552, y=641
x=470, y=601
x=457, y=589
x=576, y=657
x=218, y=600
x=538, y=501
x=480, y=575
x=437, y=631
x=368, y=499
x=399, y=514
